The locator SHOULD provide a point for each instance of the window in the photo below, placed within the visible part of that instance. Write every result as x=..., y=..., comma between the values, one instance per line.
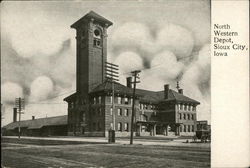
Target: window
x=191, y=108
x=111, y=111
x=185, y=107
x=97, y=42
x=119, y=112
x=192, y=128
x=126, y=100
x=181, y=106
x=180, y=116
x=131, y=101
x=93, y=112
x=188, y=128
x=111, y=126
x=119, y=100
x=119, y=126
x=126, y=127
x=83, y=117
x=94, y=102
x=180, y=128
x=194, y=108
x=184, y=128
x=188, y=116
x=99, y=99
x=184, y=116
x=100, y=112
x=126, y=112
x=192, y=116
x=110, y=99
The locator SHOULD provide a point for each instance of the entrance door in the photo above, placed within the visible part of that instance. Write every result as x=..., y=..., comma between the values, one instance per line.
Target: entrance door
x=159, y=130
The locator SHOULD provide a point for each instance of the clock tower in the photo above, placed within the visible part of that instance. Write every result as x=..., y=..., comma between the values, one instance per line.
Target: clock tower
x=91, y=51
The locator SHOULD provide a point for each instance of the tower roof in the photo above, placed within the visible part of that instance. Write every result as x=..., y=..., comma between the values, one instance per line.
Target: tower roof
x=92, y=15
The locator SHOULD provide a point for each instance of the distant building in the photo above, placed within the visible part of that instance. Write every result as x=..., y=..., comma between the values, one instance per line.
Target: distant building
x=90, y=112
x=50, y=126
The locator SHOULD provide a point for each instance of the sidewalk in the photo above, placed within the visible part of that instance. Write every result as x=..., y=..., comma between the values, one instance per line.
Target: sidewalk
x=174, y=142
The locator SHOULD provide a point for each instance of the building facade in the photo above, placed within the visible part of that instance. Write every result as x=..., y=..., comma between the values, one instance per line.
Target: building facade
x=90, y=111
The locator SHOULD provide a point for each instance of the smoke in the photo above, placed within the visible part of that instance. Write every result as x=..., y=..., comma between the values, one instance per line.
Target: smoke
x=166, y=55
x=10, y=91
x=23, y=26
x=41, y=88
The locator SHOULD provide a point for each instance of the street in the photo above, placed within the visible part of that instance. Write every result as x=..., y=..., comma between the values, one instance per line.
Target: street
x=23, y=155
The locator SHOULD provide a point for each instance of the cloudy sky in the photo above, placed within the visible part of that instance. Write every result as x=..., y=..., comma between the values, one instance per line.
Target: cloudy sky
x=169, y=39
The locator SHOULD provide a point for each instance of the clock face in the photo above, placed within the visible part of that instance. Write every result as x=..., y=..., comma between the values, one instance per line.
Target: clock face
x=97, y=33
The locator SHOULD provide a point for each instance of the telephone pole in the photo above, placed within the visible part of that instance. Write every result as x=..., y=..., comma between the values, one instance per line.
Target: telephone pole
x=19, y=104
x=111, y=74
x=135, y=74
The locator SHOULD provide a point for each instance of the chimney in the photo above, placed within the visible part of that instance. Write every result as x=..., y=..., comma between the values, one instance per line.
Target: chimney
x=14, y=114
x=129, y=82
x=180, y=91
x=166, y=89
x=33, y=117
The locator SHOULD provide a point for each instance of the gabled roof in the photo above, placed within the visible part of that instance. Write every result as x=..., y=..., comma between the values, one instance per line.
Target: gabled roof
x=39, y=123
x=93, y=15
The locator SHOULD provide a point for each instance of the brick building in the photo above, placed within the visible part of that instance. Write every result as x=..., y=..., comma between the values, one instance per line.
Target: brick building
x=90, y=111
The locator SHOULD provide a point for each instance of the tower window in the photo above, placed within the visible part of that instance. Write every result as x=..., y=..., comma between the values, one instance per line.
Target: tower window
x=97, y=33
x=97, y=42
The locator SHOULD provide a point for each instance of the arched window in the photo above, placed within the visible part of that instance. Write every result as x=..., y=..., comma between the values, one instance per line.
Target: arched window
x=119, y=112
x=126, y=112
x=119, y=126
x=126, y=127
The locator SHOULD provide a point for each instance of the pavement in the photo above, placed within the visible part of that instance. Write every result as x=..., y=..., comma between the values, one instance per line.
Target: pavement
x=124, y=141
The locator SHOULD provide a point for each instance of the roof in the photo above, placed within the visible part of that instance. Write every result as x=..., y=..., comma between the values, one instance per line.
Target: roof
x=89, y=16
x=156, y=96
x=39, y=123
x=144, y=95
x=107, y=86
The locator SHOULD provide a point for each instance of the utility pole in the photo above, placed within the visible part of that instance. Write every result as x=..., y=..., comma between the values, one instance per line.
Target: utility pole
x=135, y=74
x=111, y=74
x=19, y=103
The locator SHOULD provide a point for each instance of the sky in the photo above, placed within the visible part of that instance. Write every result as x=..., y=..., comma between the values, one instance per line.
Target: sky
x=170, y=40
